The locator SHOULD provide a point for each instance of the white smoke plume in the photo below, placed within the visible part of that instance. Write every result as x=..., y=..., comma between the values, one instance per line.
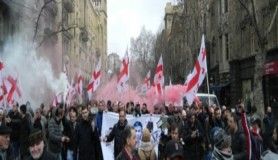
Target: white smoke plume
x=36, y=79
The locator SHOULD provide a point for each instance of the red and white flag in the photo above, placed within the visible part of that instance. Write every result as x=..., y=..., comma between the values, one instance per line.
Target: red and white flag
x=146, y=85
x=123, y=77
x=57, y=99
x=13, y=91
x=95, y=81
x=159, y=77
x=79, y=84
x=3, y=89
x=195, y=79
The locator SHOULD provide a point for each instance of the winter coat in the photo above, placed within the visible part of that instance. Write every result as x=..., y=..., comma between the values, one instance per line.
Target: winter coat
x=99, y=121
x=45, y=156
x=194, y=146
x=15, y=125
x=6, y=154
x=117, y=135
x=88, y=142
x=55, y=129
x=70, y=131
x=238, y=145
x=146, y=151
x=123, y=155
x=24, y=136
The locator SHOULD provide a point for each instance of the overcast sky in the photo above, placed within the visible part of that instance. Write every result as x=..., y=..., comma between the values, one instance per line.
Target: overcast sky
x=127, y=17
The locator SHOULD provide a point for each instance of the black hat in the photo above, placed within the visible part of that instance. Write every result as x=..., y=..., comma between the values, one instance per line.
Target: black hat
x=256, y=120
x=23, y=108
x=35, y=136
x=5, y=130
x=174, y=149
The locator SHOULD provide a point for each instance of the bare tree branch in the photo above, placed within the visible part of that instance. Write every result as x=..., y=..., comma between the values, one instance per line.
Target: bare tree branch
x=38, y=19
x=55, y=33
x=272, y=20
x=261, y=39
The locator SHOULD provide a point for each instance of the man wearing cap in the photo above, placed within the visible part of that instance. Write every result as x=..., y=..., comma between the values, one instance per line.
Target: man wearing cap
x=5, y=142
x=37, y=148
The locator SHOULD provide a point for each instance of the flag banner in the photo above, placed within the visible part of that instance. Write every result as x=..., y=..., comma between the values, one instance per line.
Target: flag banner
x=123, y=76
x=195, y=78
x=139, y=123
x=159, y=77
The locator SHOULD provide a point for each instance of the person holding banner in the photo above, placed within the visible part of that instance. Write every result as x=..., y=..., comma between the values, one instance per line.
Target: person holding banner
x=117, y=133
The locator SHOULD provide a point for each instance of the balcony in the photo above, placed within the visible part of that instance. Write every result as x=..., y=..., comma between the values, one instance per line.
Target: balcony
x=51, y=7
x=69, y=5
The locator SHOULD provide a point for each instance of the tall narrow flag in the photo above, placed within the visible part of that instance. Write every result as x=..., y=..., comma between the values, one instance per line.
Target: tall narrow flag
x=196, y=77
x=95, y=81
x=147, y=83
x=159, y=77
x=124, y=74
x=79, y=85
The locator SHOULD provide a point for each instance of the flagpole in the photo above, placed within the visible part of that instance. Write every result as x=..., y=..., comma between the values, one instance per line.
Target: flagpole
x=208, y=87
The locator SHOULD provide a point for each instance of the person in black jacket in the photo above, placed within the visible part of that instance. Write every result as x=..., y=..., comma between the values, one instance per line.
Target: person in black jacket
x=24, y=132
x=194, y=138
x=238, y=138
x=14, y=123
x=117, y=133
x=70, y=131
x=129, y=142
x=87, y=139
x=5, y=150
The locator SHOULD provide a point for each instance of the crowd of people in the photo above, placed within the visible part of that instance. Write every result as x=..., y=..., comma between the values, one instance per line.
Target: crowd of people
x=188, y=132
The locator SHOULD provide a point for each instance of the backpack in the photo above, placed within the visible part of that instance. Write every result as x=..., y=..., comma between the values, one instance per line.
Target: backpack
x=146, y=154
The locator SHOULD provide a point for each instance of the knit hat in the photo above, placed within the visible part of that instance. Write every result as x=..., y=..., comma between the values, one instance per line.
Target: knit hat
x=35, y=136
x=220, y=138
x=146, y=135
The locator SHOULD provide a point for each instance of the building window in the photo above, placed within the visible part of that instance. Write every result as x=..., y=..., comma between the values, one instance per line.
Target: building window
x=224, y=6
x=227, y=46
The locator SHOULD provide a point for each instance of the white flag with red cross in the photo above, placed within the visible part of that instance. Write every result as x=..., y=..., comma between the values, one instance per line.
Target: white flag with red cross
x=147, y=84
x=195, y=79
x=123, y=77
x=159, y=77
x=13, y=89
x=95, y=80
x=58, y=98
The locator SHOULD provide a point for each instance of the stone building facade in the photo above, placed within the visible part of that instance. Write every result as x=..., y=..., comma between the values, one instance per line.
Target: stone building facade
x=234, y=45
x=72, y=34
x=231, y=44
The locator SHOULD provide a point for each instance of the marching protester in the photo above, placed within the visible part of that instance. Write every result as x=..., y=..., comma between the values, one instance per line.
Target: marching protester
x=128, y=151
x=238, y=138
x=14, y=124
x=37, y=146
x=146, y=150
x=222, y=145
x=87, y=138
x=117, y=133
x=55, y=131
x=70, y=131
x=5, y=150
x=25, y=126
